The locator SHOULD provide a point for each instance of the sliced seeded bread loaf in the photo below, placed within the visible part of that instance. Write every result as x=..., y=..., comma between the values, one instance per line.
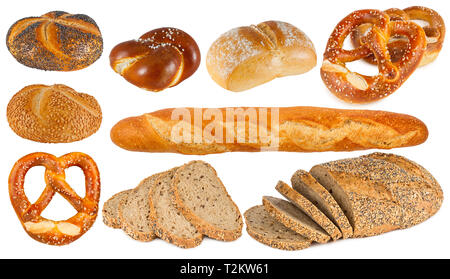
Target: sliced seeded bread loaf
x=380, y=196
x=309, y=209
x=110, y=211
x=294, y=219
x=134, y=212
x=168, y=222
x=307, y=185
x=265, y=229
x=205, y=202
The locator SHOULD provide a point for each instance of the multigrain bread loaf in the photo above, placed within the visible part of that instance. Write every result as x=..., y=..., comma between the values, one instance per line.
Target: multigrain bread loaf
x=309, y=209
x=203, y=199
x=134, y=211
x=169, y=223
x=110, y=211
x=55, y=41
x=364, y=196
x=248, y=56
x=380, y=195
x=265, y=229
x=305, y=184
x=252, y=129
x=293, y=218
x=53, y=114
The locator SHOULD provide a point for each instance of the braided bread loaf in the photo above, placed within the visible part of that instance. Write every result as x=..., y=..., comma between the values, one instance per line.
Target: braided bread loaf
x=159, y=59
x=56, y=41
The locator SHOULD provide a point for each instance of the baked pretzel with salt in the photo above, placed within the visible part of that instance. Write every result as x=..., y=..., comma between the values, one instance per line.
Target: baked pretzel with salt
x=434, y=28
x=45, y=230
x=357, y=88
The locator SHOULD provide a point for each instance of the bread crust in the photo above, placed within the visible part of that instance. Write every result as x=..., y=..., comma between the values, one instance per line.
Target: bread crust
x=298, y=129
x=53, y=114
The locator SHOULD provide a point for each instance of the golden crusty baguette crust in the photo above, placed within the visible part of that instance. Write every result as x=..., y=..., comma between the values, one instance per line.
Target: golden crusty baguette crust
x=248, y=56
x=381, y=192
x=296, y=129
x=53, y=114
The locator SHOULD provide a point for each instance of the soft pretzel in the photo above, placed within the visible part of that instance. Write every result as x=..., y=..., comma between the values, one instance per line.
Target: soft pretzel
x=434, y=31
x=159, y=59
x=356, y=88
x=45, y=230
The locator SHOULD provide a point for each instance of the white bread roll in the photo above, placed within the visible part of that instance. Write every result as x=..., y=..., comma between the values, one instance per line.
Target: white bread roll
x=248, y=56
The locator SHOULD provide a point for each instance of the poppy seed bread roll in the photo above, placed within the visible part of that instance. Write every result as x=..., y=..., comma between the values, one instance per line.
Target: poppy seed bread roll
x=53, y=114
x=56, y=41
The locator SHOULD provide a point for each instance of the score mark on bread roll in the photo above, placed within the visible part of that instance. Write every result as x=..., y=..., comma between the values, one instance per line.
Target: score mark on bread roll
x=248, y=56
x=53, y=114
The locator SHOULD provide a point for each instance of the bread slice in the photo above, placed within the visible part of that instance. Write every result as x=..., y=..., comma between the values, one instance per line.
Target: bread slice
x=205, y=202
x=305, y=184
x=134, y=212
x=110, y=211
x=309, y=209
x=293, y=218
x=168, y=222
x=374, y=194
x=265, y=229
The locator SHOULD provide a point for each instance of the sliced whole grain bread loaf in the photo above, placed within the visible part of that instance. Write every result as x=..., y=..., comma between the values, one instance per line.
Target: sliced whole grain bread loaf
x=294, y=219
x=169, y=223
x=309, y=209
x=305, y=184
x=378, y=195
x=203, y=199
x=110, y=211
x=265, y=229
x=134, y=212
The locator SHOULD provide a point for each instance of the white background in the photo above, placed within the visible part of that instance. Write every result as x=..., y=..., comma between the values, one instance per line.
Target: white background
x=247, y=176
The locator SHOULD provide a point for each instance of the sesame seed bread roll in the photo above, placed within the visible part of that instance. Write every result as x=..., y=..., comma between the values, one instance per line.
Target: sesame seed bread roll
x=248, y=56
x=380, y=193
x=53, y=114
x=55, y=41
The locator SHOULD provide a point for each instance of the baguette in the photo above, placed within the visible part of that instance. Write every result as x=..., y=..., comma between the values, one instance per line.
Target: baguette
x=251, y=129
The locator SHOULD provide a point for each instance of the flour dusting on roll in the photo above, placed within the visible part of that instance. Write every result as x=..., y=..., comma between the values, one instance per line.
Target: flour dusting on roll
x=248, y=56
